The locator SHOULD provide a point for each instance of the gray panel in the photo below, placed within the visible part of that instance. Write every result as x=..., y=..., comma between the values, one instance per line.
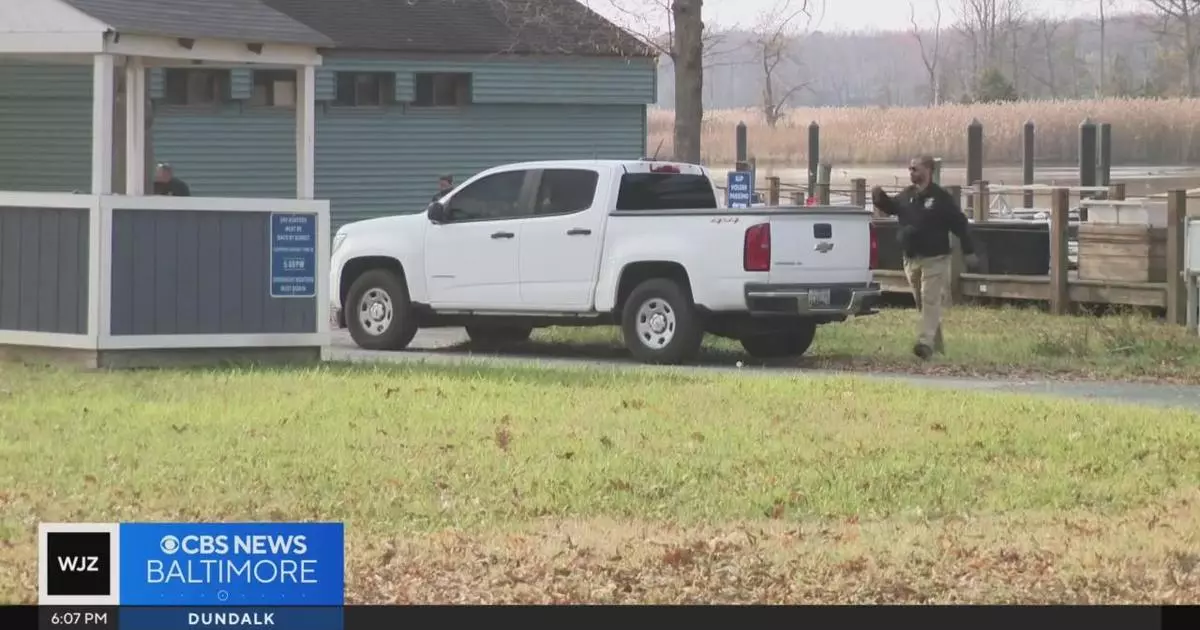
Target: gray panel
x=192, y=273
x=44, y=269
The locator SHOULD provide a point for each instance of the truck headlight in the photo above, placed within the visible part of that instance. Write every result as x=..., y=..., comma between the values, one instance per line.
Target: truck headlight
x=338, y=239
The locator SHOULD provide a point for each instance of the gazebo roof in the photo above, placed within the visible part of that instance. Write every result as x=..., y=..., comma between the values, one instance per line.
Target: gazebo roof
x=57, y=27
x=239, y=20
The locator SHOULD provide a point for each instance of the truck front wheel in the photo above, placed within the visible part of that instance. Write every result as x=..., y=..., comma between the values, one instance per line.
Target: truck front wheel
x=378, y=312
x=660, y=324
x=776, y=345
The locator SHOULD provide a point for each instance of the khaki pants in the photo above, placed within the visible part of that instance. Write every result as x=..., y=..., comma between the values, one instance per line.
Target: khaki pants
x=929, y=279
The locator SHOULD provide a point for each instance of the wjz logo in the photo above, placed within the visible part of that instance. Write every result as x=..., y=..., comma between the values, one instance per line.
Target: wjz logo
x=79, y=563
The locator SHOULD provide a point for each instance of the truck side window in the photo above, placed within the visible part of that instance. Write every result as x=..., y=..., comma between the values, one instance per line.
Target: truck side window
x=493, y=197
x=566, y=191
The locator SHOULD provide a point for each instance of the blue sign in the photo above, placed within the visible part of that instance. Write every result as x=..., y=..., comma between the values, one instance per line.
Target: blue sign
x=739, y=190
x=232, y=564
x=293, y=255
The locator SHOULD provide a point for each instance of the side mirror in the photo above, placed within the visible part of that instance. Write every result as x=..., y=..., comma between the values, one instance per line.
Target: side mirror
x=437, y=212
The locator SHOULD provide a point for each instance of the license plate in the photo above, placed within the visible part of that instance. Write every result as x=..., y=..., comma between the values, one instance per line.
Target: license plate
x=818, y=297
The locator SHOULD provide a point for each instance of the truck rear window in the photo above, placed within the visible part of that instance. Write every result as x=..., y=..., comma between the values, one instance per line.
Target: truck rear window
x=665, y=191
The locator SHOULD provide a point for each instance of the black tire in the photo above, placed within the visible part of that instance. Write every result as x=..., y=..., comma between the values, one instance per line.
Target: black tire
x=776, y=345
x=686, y=333
x=399, y=330
x=491, y=336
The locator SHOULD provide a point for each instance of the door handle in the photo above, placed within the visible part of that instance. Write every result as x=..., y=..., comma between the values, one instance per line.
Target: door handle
x=578, y=232
x=503, y=235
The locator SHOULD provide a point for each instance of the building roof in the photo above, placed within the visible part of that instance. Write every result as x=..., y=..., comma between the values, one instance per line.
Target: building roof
x=551, y=27
x=250, y=21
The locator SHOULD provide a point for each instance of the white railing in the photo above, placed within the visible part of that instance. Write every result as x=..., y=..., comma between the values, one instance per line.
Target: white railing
x=100, y=209
x=1191, y=268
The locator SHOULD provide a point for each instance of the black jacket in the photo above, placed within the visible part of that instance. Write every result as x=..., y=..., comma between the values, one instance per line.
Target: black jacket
x=927, y=218
x=173, y=188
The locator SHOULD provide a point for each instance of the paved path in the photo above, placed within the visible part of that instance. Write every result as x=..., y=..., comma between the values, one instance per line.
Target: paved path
x=432, y=346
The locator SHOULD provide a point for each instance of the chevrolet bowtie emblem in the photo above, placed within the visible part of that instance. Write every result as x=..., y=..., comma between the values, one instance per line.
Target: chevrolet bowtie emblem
x=823, y=247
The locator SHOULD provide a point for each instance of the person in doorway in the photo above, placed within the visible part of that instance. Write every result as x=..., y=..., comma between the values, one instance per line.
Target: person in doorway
x=445, y=183
x=927, y=216
x=165, y=182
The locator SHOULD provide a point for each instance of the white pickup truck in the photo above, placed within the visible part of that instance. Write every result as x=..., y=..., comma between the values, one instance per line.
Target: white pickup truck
x=639, y=244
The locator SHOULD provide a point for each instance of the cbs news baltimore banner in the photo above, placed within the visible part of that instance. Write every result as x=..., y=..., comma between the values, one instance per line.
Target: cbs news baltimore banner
x=175, y=576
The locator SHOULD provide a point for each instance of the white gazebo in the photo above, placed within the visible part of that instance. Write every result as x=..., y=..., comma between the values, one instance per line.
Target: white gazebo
x=128, y=37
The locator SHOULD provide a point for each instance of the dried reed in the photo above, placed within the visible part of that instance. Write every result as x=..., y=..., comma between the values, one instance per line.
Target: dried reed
x=1144, y=131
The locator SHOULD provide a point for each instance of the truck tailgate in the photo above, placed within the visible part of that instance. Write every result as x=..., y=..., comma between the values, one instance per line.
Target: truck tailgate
x=820, y=247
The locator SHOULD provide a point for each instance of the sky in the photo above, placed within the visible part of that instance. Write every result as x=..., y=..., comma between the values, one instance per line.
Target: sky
x=832, y=15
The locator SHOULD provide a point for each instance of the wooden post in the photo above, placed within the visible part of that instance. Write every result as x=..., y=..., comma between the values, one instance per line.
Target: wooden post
x=740, y=143
x=1060, y=201
x=1116, y=192
x=797, y=197
x=858, y=192
x=1176, y=280
x=1027, y=161
x=823, y=176
x=1104, y=174
x=981, y=202
x=772, y=191
x=814, y=157
x=957, y=266
x=974, y=152
x=1087, y=153
x=937, y=171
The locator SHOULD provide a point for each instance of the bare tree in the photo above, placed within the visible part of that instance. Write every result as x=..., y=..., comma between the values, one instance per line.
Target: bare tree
x=773, y=39
x=689, y=78
x=931, y=52
x=984, y=24
x=653, y=21
x=1012, y=19
x=1180, y=20
x=675, y=30
x=1045, y=30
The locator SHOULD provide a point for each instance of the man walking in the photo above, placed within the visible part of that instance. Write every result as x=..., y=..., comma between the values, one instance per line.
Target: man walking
x=927, y=215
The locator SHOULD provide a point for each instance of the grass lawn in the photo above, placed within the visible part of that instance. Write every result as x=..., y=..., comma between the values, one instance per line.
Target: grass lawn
x=979, y=341
x=472, y=484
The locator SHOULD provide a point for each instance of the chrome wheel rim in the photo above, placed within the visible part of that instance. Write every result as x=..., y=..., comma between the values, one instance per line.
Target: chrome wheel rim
x=375, y=311
x=655, y=323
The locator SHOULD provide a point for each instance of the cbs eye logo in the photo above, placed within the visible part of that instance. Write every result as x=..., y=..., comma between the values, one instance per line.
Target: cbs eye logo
x=169, y=545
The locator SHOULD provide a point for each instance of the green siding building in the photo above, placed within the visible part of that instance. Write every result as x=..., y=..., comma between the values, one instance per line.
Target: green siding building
x=410, y=91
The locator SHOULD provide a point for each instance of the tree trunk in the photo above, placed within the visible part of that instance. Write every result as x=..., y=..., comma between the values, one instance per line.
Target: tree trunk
x=689, y=78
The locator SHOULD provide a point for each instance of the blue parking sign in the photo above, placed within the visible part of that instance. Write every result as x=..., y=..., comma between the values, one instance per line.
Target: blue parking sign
x=739, y=191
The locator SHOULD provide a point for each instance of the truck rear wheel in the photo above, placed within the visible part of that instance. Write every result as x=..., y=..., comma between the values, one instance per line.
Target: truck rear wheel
x=378, y=312
x=776, y=345
x=660, y=324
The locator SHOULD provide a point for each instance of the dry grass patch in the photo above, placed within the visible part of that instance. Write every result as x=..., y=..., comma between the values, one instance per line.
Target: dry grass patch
x=1145, y=131
x=1147, y=555
x=487, y=484
x=1006, y=341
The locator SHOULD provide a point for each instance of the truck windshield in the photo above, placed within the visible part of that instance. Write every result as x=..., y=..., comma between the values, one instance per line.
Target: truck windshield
x=665, y=191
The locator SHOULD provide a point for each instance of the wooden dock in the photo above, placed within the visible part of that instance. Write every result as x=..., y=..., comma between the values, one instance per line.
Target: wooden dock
x=1136, y=260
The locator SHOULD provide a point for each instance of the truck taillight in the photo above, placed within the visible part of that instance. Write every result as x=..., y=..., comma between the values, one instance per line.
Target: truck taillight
x=756, y=254
x=874, y=247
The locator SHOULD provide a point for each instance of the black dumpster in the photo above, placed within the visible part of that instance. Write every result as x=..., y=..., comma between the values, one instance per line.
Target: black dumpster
x=1015, y=248
x=1012, y=248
